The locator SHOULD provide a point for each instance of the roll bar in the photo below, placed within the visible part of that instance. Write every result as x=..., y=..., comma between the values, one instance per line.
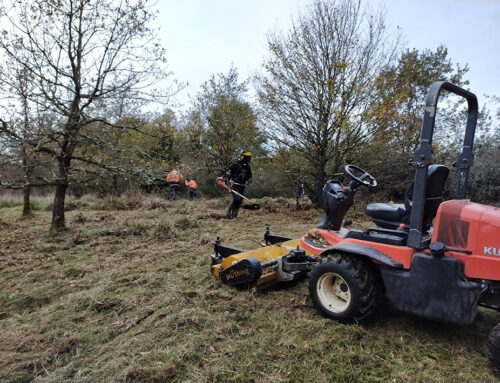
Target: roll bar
x=423, y=155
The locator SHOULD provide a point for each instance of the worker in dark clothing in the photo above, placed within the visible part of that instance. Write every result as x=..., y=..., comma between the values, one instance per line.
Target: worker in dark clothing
x=239, y=175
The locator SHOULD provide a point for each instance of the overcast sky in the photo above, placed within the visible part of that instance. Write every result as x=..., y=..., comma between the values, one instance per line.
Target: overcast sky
x=203, y=37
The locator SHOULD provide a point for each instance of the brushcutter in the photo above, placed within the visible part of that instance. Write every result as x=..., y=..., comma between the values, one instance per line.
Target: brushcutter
x=221, y=182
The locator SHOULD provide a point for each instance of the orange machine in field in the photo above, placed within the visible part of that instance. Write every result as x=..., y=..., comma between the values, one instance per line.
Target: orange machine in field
x=471, y=229
x=439, y=260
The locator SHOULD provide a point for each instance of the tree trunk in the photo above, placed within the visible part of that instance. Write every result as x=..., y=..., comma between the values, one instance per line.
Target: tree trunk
x=321, y=172
x=58, y=209
x=27, y=187
x=58, y=222
x=115, y=184
x=71, y=129
x=26, y=201
x=319, y=188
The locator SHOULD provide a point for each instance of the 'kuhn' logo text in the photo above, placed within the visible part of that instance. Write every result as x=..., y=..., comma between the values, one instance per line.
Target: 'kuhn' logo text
x=491, y=251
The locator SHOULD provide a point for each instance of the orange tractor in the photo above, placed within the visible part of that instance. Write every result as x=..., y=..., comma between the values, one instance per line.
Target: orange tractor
x=432, y=258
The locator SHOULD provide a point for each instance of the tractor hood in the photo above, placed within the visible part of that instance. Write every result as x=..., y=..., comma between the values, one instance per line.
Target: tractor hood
x=471, y=226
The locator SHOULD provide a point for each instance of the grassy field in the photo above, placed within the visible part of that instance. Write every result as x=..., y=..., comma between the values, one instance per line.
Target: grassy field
x=126, y=295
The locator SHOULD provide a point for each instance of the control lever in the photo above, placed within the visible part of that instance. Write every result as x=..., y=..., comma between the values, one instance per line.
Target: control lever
x=438, y=249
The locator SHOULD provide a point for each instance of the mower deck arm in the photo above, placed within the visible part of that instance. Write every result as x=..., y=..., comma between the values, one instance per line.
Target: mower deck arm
x=223, y=251
x=271, y=239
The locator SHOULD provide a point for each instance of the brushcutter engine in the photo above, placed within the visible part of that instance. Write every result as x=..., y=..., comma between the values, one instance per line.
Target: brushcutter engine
x=221, y=182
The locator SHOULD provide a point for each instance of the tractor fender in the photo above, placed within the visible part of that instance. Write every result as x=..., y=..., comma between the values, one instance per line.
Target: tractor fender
x=367, y=251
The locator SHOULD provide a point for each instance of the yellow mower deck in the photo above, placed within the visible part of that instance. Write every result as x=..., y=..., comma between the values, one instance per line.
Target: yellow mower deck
x=263, y=255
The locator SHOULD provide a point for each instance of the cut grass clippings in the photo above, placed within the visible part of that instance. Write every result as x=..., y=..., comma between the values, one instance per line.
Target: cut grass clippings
x=126, y=295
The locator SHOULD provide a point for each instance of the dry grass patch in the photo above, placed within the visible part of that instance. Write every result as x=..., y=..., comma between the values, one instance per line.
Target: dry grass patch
x=163, y=231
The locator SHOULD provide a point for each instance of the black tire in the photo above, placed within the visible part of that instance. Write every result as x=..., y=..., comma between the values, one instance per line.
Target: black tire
x=493, y=346
x=344, y=288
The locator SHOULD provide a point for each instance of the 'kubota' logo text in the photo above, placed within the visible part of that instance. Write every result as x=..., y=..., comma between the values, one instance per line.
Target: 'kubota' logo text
x=491, y=251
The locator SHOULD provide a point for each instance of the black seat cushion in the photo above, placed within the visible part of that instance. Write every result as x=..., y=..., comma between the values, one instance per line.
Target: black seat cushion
x=386, y=211
x=387, y=215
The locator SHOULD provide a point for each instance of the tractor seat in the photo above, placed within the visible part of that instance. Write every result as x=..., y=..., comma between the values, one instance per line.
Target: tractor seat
x=391, y=216
x=386, y=211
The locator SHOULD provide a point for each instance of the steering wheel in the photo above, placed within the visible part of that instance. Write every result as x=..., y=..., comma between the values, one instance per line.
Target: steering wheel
x=365, y=178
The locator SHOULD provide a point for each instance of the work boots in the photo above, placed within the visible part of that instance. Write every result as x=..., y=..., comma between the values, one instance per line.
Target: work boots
x=234, y=212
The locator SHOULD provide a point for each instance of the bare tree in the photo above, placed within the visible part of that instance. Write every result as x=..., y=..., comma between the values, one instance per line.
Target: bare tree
x=318, y=82
x=21, y=165
x=76, y=52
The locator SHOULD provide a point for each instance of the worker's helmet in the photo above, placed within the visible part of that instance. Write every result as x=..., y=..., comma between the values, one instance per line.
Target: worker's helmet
x=246, y=156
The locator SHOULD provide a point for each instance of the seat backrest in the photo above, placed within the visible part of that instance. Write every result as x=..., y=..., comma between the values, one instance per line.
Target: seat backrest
x=436, y=179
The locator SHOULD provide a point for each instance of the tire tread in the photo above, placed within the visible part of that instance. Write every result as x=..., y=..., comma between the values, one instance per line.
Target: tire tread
x=361, y=273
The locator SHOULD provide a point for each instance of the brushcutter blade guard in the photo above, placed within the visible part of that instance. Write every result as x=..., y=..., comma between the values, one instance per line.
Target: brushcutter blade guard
x=250, y=206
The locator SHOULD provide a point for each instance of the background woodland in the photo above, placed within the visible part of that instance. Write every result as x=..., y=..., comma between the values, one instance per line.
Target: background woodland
x=87, y=106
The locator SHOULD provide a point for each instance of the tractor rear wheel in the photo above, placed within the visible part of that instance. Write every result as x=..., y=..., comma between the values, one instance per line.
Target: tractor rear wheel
x=493, y=346
x=343, y=288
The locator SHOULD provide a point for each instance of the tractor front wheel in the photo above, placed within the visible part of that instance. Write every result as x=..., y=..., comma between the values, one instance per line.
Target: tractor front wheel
x=493, y=346
x=343, y=288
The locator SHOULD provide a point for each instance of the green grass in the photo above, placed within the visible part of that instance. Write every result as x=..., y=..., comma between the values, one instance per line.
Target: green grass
x=126, y=295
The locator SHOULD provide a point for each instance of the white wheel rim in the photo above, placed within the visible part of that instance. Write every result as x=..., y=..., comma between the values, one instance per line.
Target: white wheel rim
x=333, y=292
